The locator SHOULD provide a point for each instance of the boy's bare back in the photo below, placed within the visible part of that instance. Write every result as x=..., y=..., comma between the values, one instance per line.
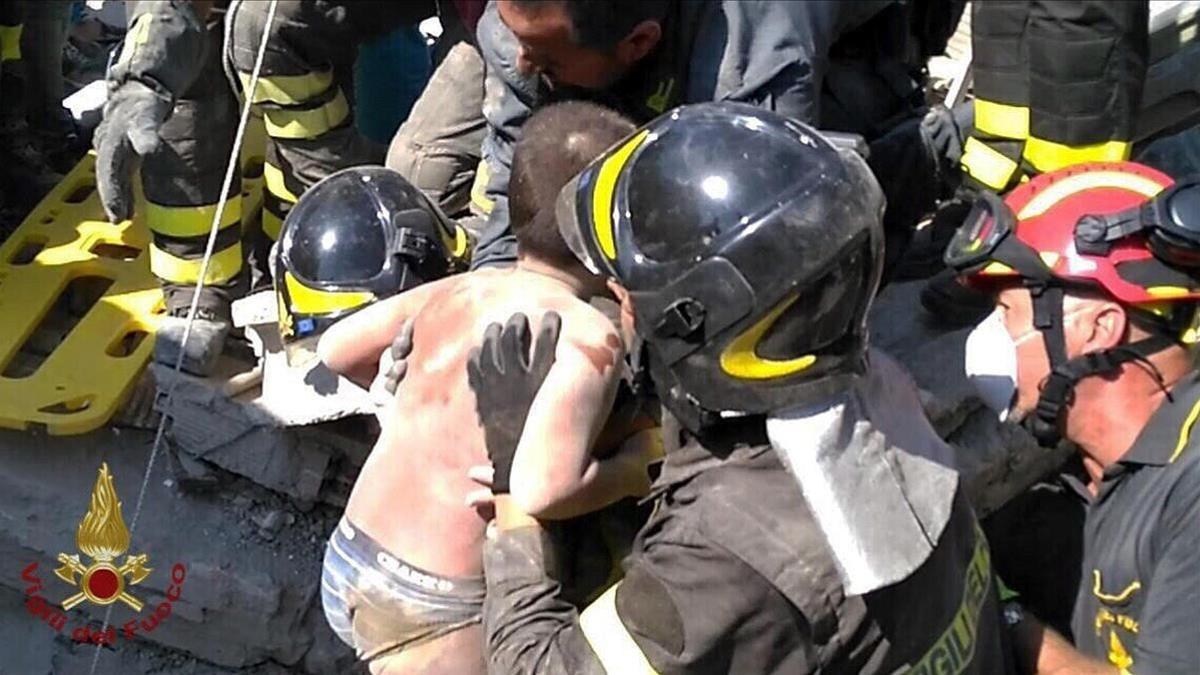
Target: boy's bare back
x=410, y=496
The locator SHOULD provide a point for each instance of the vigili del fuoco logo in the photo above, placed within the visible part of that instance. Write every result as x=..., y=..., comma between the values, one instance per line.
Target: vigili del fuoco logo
x=97, y=578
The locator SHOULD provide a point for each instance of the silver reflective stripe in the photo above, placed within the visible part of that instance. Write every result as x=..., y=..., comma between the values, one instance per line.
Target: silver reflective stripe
x=566, y=214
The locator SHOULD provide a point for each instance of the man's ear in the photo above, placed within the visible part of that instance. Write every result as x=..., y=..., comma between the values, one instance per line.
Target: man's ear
x=641, y=41
x=1105, y=327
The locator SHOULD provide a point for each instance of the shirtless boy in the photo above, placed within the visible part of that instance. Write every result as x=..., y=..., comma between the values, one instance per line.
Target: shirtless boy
x=403, y=572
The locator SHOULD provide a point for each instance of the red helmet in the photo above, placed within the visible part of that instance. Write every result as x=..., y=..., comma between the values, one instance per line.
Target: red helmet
x=1045, y=213
x=1119, y=227
x=1047, y=230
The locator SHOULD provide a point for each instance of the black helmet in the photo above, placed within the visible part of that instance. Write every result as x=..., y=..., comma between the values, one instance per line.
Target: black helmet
x=359, y=235
x=751, y=248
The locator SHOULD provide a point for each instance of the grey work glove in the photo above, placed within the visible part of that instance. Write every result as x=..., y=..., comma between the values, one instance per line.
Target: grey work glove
x=393, y=366
x=943, y=135
x=505, y=380
x=132, y=117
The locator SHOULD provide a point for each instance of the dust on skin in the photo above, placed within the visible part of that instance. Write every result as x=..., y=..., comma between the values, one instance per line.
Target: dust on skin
x=602, y=357
x=451, y=322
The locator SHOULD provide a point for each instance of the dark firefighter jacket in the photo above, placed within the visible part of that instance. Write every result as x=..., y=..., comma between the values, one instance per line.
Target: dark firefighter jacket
x=771, y=54
x=731, y=575
x=1057, y=83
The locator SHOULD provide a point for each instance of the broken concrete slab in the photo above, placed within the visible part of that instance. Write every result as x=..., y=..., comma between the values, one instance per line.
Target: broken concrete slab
x=238, y=436
x=243, y=600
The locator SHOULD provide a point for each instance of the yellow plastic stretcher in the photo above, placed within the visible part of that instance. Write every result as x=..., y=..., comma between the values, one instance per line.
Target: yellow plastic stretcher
x=78, y=305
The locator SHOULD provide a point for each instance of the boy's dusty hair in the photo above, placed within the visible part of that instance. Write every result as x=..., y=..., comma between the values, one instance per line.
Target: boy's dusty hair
x=556, y=143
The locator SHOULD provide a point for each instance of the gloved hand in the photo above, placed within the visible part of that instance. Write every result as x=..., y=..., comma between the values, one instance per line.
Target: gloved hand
x=505, y=381
x=943, y=136
x=393, y=366
x=132, y=117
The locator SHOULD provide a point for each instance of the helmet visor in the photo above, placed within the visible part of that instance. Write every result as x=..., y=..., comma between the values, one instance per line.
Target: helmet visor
x=975, y=242
x=325, y=253
x=572, y=227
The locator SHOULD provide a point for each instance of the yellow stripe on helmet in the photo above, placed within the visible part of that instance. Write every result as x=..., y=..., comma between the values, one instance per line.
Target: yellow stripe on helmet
x=460, y=248
x=305, y=300
x=603, y=191
x=1167, y=291
x=741, y=360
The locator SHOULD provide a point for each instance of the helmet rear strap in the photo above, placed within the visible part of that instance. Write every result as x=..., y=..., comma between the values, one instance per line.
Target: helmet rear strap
x=1058, y=390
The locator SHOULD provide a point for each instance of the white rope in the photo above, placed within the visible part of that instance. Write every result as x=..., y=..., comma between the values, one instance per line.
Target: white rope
x=230, y=170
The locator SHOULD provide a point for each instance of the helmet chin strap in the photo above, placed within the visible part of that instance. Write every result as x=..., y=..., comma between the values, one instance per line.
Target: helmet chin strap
x=1058, y=391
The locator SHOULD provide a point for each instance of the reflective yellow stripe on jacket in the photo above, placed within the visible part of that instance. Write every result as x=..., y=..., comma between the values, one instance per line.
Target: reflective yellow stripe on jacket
x=987, y=165
x=223, y=267
x=609, y=638
x=191, y=221
x=307, y=123
x=1045, y=155
x=288, y=89
x=10, y=43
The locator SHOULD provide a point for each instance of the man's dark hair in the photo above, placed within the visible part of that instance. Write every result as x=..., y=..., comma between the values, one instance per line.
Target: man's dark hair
x=601, y=24
x=556, y=143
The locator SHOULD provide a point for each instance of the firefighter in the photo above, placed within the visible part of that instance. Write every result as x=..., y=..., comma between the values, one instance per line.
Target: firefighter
x=1092, y=272
x=1057, y=83
x=643, y=57
x=171, y=104
x=745, y=250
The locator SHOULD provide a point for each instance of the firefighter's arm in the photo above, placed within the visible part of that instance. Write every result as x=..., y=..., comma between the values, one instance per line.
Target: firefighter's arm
x=164, y=52
x=1042, y=651
x=165, y=45
x=680, y=607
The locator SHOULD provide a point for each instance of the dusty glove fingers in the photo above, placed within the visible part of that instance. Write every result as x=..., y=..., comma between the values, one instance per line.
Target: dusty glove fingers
x=130, y=128
x=393, y=364
x=394, y=376
x=114, y=169
x=402, y=345
x=487, y=359
x=514, y=344
x=942, y=134
x=545, y=346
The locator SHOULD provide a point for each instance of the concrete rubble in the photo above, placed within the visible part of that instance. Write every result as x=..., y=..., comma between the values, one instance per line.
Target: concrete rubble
x=251, y=559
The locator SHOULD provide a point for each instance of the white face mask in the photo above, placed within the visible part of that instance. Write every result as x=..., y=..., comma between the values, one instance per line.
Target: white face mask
x=991, y=365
